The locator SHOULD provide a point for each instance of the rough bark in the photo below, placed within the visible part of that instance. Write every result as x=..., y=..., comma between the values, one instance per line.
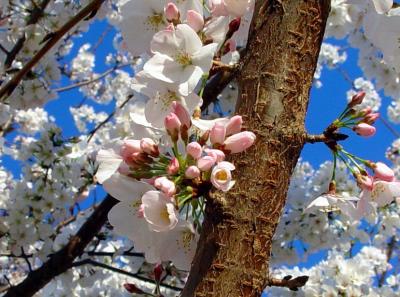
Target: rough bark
x=62, y=260
x=232, y=258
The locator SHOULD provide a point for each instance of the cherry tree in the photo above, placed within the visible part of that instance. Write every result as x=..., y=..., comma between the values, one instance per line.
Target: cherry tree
x=194, y=132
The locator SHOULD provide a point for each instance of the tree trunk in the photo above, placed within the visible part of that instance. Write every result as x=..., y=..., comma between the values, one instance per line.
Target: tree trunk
x=232, y=258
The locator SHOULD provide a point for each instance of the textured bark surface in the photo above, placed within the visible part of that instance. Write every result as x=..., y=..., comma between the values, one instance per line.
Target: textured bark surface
x=233, y=253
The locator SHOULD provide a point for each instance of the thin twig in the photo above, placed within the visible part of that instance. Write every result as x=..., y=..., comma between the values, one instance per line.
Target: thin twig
x=36, y=14
x=87, y=82
x=91, y=133
x=52, y=41
x=389, y=253
x=120, y=271
x=292, y=284
x=26, y=258
x=110, y=254
x=311, y=138
x=389, y=127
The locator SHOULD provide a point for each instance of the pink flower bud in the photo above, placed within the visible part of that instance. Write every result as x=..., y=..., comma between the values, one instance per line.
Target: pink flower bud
x=357, y=99
x=194, y=149
x=234, y=25
x=221, y=176
x=124, y=168
x=205, y=163
x=173, y=167
x=371, y=118
x=195, y=20
x=365, y=182
x=158, y=270
x=364, y=129
x=172, y=125
x=218, y=155
x=165, y=185
x=131, y=288
x=239, y=142
x=149, y=147
x=383, y=172
x=218, y=133
x=192, y=172
x=129, y=147
x=366, y=111
x=171, y=12
x=217, y=8
x=182, y=114
x=234, y=125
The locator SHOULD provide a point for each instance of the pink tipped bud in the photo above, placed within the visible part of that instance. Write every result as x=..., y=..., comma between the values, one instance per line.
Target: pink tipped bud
x=218, y=134
x=383, y=172
x=131, y=288
x=165, y=185
x=194, y=149
x=217, y=154
x=192, y=172
x=357, y=99
x=364, y=129
x=366, y=111
x=234, y=125
x=149, y=147
x=172, y=125
x=171, y=12
x=173, y=167
x=158, y=270
x=195, y=20
x=371, y=118
x=234, y=25
x=182, y=114
x=239, y=142
x=129, y=147
x=365, y=182
x=205, y=163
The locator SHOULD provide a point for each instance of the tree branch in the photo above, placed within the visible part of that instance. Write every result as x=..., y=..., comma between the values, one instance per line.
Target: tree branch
x=292, y=284
x=52, y=40
x=62, y=260
x=121, y=271
x=110, y=116
x=35, y=16
x=389, y=253
x=89, y=81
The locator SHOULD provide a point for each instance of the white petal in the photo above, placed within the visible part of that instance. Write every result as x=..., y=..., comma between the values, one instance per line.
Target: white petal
x=205, y=125
x=109, y=163
x=124, y=188
x=189, y=39
x=383, y=6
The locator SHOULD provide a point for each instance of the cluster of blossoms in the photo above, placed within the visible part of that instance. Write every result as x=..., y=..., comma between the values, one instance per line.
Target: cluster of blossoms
x=163, y=175
x=379, y=188
x=162, y=186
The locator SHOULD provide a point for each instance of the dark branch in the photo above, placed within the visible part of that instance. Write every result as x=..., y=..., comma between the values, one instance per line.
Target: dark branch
x=292, y=284
x=35, y=16
x=120, y=271
x=62, y=260
x=51, y=41
x=389, y=253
